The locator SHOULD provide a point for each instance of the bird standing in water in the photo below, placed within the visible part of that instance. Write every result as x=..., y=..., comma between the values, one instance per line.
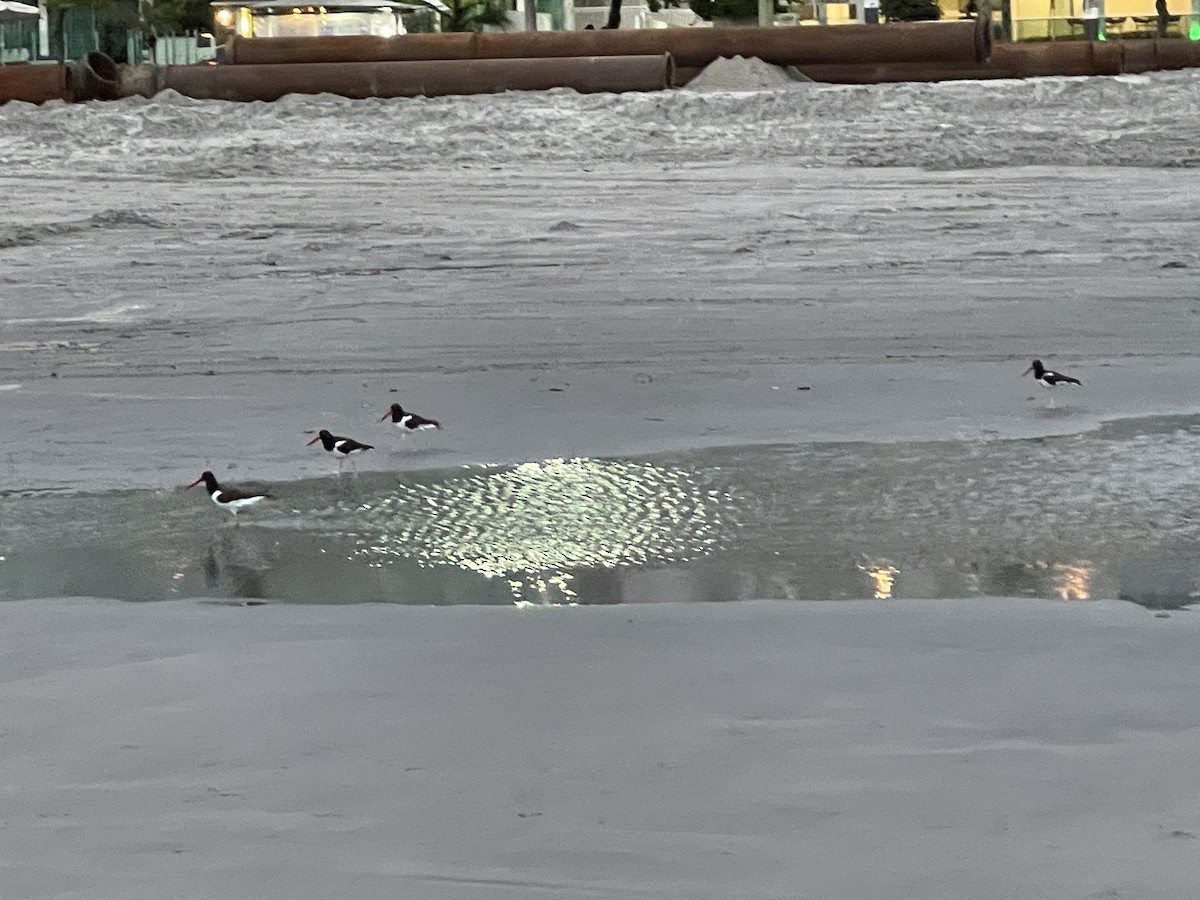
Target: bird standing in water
x=409, y=422
x=1048, y=378
x=341, y=447
x=230, y=498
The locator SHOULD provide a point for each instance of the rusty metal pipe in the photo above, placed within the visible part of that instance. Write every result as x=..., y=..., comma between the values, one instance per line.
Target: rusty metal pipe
x=1020, y=61
x=32, y=84
x=427, y=78
x=1060, y=58
x=1011, y=60
x=1161, y=53
x=94, y=77
x=958, y=42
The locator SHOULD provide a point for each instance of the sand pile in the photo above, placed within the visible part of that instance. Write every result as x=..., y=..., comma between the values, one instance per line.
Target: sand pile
x=1039, y=121
x=741, y=74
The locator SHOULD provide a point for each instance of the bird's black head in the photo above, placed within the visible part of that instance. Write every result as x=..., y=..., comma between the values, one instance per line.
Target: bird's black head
x=324, y=437
x=209, y=479
x=395, y=413
x=1036, y=368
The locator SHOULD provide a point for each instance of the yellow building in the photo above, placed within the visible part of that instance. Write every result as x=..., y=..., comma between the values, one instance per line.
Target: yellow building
x=1041, y=20
x=1065, y=19
x=271, y=18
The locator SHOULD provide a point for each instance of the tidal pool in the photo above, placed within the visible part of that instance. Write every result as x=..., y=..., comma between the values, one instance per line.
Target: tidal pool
x=1108, y=513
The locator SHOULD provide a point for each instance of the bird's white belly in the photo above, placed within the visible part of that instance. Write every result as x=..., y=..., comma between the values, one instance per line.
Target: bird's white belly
x=234, y=505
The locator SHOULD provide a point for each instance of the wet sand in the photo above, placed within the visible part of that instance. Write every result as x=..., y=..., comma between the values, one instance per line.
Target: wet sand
x=626, y=311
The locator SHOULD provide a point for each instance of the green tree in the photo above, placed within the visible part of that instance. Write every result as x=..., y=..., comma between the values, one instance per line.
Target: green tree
x=175, y=16
x=473, y=15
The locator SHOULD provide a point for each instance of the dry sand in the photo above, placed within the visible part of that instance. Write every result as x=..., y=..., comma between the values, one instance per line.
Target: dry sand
x=739, y=73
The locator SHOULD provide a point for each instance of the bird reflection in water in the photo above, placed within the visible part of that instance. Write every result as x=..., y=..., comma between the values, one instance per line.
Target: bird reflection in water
x=233, y=568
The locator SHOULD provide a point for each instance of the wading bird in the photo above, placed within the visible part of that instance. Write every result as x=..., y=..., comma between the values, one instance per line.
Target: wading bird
x=1048, y=378
x=230, y=498
x=341, y=447
x=408, y=421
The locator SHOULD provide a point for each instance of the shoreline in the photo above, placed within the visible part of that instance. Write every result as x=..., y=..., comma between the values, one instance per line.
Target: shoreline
x=147, y=426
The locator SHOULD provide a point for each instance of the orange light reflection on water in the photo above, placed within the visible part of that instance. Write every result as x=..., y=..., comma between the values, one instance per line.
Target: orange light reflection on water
x=1073, y=581
x=883, y=578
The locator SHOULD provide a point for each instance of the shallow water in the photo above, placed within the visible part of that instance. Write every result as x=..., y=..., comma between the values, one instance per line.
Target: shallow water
x=1103, y=514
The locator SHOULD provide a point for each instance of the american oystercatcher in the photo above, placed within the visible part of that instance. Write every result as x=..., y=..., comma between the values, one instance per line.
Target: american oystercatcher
x=1048, y=378
x=407, y=421
x=341, y=447
x=230, y=498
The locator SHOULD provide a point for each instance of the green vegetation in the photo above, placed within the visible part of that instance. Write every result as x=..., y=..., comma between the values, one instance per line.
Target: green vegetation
x=910, y=10
x=473, y=15
x=177, y=16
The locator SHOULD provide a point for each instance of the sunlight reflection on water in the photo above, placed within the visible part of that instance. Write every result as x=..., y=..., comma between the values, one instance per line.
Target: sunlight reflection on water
x=533, y=524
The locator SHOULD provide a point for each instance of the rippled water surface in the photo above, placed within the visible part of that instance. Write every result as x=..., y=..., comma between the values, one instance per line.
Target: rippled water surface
x=1103, y=514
